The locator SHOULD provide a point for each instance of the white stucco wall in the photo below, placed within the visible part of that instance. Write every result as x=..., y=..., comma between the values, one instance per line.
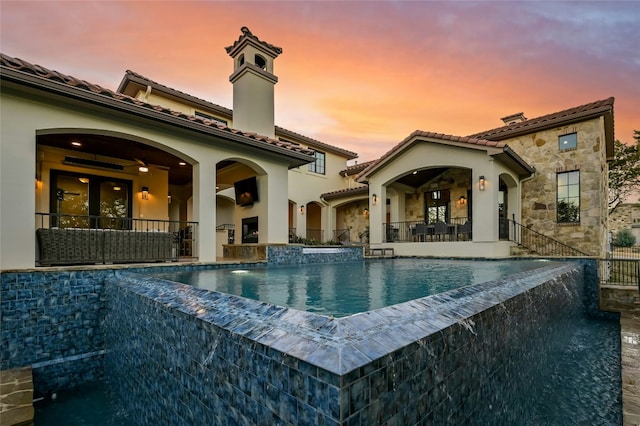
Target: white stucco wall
x=423, y=155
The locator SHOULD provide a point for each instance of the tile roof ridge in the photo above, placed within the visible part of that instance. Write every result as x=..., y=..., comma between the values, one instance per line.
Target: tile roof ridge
x=608, y=102
x=180, y=92
x=246, y=33
x=316, y=141
x=25, y=67
x=425, y=134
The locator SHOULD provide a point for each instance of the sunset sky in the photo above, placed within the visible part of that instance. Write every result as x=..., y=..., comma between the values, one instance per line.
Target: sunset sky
x=359, y=75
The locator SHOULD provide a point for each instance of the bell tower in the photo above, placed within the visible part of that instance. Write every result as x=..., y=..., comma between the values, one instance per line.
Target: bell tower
x=253, y=83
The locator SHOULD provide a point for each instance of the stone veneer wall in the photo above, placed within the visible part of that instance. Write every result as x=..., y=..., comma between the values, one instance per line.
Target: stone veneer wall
x=182, y=355
x=541, y=151
x=292, y=254
x=52, y=321
x=626, y=216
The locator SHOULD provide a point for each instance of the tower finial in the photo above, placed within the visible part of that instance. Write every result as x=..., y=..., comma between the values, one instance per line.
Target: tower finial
x=246, y=31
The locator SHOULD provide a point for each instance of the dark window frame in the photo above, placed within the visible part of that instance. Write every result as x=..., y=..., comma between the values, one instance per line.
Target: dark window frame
x=568, y=139
x=567, y=205
x=318, y=166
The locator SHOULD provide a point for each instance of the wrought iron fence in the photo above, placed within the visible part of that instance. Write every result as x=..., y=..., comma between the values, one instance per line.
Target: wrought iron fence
x=342, y=235
x=623, y=272
x=81, y=239
x=619, y=252
x=537, y=242
x=455, y=229
x=315, y=234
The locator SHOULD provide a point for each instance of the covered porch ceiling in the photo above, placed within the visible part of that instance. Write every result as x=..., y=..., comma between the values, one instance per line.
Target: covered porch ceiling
x=126, y=150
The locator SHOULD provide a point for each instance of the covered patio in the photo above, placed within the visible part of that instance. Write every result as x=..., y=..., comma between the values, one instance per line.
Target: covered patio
x=442, y=195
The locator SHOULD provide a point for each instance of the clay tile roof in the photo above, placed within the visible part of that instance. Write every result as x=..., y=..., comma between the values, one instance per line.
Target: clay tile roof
x=141, y=79
x=549, y=120
x=354, y=169
x=431, y=135
x=345, y=192
x=315, y=143
x=44, y=75
x=247, y=34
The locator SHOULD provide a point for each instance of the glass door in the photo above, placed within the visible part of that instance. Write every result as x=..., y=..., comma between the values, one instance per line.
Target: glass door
x=83, y=201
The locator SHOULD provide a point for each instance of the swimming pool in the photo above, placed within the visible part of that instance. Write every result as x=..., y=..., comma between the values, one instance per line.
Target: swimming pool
x=480, y=354
x=348, y=288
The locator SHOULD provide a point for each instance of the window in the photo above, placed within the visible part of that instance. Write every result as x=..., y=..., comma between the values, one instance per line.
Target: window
x=567, y=142
x=83, y=201
x=437, y=206
x=318, y=165
x=568, y=201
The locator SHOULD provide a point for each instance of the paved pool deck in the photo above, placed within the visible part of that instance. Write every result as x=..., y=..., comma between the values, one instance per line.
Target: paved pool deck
x=16, y=397
x=630, y=354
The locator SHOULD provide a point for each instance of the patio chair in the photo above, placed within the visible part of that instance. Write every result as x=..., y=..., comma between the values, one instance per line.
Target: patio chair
x=421, y=231
x=464, y=231
x=440, y=230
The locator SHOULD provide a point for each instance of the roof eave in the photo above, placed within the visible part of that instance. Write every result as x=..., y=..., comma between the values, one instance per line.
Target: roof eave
x=296, y=159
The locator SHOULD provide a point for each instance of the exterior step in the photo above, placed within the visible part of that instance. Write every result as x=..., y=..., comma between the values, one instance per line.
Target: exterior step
x=16, y=397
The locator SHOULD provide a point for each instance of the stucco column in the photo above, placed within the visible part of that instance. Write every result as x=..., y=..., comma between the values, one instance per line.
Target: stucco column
x=204, y=209
x=276, y=220
x=17, y=186
x=485, y=204
x=376, y=213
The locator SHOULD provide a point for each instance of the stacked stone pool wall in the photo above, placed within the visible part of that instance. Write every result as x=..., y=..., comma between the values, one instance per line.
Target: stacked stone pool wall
x=185, y=355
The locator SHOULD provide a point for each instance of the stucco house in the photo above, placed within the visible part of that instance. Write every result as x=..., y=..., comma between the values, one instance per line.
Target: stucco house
x=169, y=175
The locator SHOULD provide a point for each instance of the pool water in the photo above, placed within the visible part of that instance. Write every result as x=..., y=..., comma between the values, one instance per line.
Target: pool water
x=348, y=288
x=89, y=405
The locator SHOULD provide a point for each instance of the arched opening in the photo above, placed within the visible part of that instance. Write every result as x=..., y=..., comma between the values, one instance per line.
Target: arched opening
x=261, y=62
x=313, y=213
x=241, y=60
x=101, y=180
x=507, y=204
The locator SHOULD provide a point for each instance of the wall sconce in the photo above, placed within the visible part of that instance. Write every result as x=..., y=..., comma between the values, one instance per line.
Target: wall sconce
x=374, y=199
x=169, y=198
x=145, y=192
x=481, y=183
x=301, y=209
x=365, y=212
x=462, y=200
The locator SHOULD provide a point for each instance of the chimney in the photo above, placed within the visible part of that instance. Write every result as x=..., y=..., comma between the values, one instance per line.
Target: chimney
x=514, y=118
x=253, y=83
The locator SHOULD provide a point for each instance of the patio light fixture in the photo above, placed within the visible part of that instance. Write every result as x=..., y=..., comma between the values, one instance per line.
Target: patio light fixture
x=481, y=183
x=143, y=169
x=145, y=192
x=374, y=199
x=301, y=209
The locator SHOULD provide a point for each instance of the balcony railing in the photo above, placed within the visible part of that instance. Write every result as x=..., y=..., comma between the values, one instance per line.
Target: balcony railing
x=342, y=235
x=455, y=229
x=315, y=234
x=81, y=239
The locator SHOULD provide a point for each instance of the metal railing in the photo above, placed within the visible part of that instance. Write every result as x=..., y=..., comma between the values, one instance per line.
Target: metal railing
x=455, y=229
x=619, y=252
x=81, y=239
x=341, y=235
x=231, y=231
x=537, y=242
x=622, y=272
x=315, y=234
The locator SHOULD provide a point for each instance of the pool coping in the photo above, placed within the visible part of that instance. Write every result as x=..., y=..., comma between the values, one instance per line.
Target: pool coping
x=339, y=345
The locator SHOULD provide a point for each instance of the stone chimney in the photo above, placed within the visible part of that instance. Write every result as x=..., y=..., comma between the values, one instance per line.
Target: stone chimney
x=514, y=118
x=253, y=83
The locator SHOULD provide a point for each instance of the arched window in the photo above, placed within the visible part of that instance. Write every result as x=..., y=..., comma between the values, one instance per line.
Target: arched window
x=261, y=62
x=240, y=60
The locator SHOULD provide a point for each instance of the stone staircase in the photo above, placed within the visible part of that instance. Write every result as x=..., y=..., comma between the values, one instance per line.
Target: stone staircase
x=16, y=397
